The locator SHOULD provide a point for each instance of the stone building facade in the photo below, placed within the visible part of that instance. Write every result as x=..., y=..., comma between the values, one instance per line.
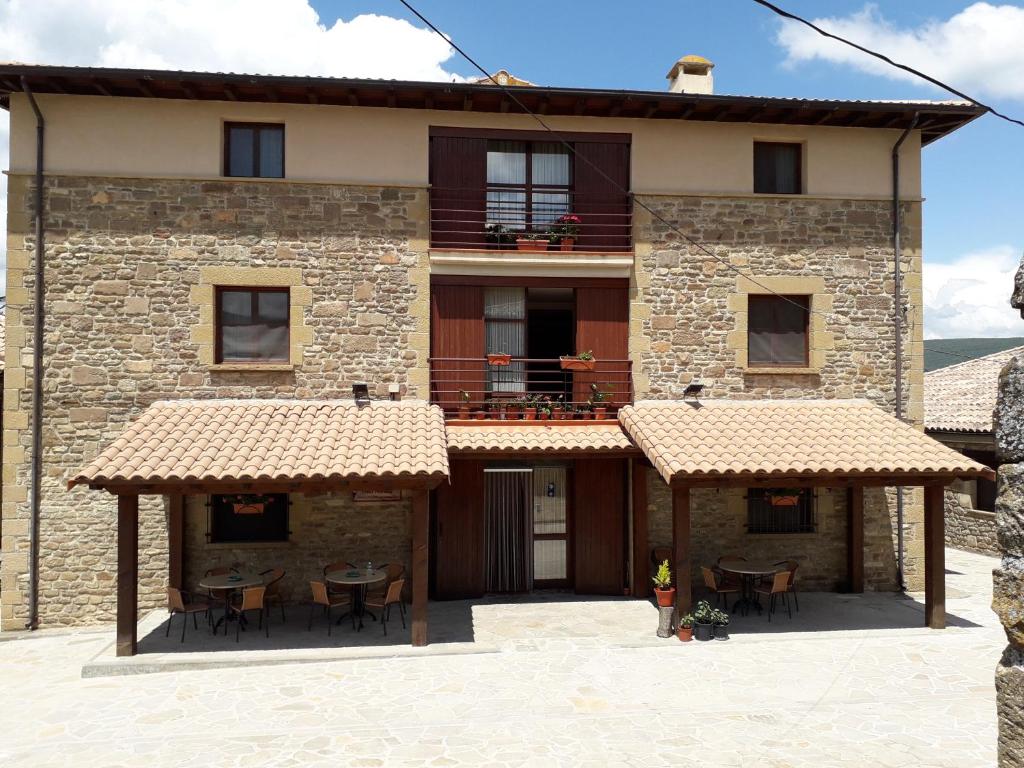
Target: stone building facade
x=969, y=528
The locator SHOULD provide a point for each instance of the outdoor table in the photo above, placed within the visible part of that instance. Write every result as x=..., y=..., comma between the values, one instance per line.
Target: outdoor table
x=358, y=579
x=749, y=572
x=229, y=583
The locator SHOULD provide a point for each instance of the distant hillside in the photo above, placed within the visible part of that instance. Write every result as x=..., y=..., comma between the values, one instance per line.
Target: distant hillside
x=938, y=353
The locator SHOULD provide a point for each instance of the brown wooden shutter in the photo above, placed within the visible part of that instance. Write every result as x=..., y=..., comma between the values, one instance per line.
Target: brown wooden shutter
x=459, y=532
x=602, y=327
x=601, y=195
x=456, y=331
x=599, y=521
x=458, y=197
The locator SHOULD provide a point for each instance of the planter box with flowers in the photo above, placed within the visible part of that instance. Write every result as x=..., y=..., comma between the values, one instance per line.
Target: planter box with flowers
x=564, y=231
x=584, y=361
x=532, y=241
x=248, y=503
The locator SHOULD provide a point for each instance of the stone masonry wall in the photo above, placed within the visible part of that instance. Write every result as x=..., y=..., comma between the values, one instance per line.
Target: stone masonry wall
x=687, y=320
x=969, y=528
x=324, y=529
x=123, y=260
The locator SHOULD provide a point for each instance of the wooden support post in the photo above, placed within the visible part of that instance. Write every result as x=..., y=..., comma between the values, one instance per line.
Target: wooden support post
x=855, y=538
x=420, y=555
x=641, y=561
x=127, y=574
x=934, y=557
x=681, y=547
x=175, y=541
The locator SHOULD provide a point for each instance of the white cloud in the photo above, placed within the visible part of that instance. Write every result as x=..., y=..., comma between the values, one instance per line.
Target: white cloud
x=970, y=297
x=977, y=51
x=252, y=36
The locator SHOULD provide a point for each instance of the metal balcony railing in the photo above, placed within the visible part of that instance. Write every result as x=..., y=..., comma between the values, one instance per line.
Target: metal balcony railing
x=529, y=219
x=530, y=388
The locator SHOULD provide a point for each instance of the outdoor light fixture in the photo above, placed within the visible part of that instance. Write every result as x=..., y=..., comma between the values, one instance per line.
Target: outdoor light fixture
x=551, y=489
x=361, y=391
x=694, y=388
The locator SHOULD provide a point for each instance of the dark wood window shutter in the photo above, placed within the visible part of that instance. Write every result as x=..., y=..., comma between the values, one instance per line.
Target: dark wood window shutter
x=458, y=198
x=457, y=331
x=602, y=327
x=601, y=174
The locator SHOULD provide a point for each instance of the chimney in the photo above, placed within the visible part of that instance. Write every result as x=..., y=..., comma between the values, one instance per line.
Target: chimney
x=691, y=74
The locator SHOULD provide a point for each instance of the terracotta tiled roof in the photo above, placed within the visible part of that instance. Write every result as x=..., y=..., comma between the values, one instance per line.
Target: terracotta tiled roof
x=224, y=440
x=539, y=437
x=961, y=397
x=785, y=437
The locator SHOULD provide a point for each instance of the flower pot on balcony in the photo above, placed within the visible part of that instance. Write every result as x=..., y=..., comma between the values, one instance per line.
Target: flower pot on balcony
x=567, y=244
x=479, y=415
x=534, y=246
x=529, y=414
x=543, y=415
x=600, y=412
x=785, y=500
x=499, y=359
x=463, y=411
x=575, y=364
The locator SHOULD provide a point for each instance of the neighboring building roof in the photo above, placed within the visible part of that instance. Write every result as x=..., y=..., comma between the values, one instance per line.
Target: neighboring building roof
x=941, y=353
x=934, y=118
x=274, y=440
x=763, y=438
x=961, y=397
x=515, y=437
x=502, y=77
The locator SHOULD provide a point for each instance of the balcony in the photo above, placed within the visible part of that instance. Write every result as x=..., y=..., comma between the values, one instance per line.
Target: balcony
x=537, y=222
x=529, y=389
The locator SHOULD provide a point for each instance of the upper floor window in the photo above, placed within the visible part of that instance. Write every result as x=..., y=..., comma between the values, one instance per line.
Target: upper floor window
x=252, y=325
x=527, y=183
x=254, y=149
x=780, y=510
x=778, y=168
x=248, y=518
x=778, y=330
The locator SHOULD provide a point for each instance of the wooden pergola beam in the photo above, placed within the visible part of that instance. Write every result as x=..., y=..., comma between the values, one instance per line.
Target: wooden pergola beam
x=420, y=566
x=127, y=641
x=681, y=547
x=641, y=562
x=855, y=538
x=176, y=541
x=934, y=557
x=308, y=487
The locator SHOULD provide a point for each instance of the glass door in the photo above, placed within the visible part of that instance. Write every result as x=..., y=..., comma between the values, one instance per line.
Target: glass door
x=550, y=527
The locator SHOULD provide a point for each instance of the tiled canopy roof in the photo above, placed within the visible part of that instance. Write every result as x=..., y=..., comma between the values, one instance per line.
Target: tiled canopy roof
x=961, y=397
x=550, y=438
x=743, y=438
x=275, y=440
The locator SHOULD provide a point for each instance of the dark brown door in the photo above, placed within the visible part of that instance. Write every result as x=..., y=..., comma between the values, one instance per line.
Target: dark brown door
x=602, y=327
x=599, y=520
x=459, y=533
x=457, y=344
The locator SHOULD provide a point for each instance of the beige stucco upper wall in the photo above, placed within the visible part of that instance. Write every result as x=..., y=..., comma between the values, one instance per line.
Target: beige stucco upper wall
x=161, y=137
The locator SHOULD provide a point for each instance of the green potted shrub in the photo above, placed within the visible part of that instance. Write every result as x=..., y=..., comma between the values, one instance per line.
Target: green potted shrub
x=663, y=589
x=721, y=621
x=584, y=361
x=598, y=398
x=543, y=407
x=529, y=406
x=499, y=236
x=463, y=404
x=564, y=231
x=704, y=621
x=684, y=631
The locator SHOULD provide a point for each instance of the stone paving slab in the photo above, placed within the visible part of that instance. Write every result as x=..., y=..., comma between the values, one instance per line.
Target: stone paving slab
x=889, y=696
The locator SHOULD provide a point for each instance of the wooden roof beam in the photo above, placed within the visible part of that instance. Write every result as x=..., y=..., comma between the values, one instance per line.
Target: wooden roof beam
x=190, y=90
x=392, y=98
x=652, y=108
x=312, y=97
x=230, y=92
x=353, y=99
x=542, y=108
x=144, y=88
x=467, y=103
x=101, y=86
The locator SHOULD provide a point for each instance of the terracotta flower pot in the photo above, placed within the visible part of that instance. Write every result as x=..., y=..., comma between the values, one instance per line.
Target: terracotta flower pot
x=248, y=509
x=543, y=415
x=463, y=411
x=533, y=246
x=499, y=359
x=530, y=414
x=600, y=412
x=480, y=415
x=575, y=364
x=685, y=634
x=666, y=597
x=567, y=244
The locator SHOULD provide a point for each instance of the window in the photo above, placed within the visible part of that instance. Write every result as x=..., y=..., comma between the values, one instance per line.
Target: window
x=778, y=168
x=254, y=149
x=780, y=510
x=252, y=325
x=777, y=330
x=527, y=183
x=505, y=332
x=235, y=519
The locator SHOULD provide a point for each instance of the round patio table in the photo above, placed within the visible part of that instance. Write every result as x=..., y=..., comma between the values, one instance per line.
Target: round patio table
x=358, y=579
x=228, y=583
x=748, y=571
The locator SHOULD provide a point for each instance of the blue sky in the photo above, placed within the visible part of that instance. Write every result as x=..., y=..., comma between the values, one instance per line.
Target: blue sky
x=971, y=179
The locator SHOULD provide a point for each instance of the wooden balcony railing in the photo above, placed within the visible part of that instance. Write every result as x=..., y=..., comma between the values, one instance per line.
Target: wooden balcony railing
x=530, y=388
x=505, y=218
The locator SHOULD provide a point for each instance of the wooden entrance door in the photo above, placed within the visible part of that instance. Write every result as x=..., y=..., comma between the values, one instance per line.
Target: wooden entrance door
x=599, y=515
x=459, y=532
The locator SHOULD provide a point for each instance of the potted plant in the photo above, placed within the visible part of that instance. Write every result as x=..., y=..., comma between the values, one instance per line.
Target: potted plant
x=684, y=631
x=597, y=398
x=584, y=361
x=480, y=414
x=784, y=497
x=532, y=241
x=513, y=408
x=499, y=236
x=564, y=231
x=463, y=404
x=704, y=621
x=558, y=408
x=248, y=503
x=497, y=408
x=498, y=358
x=663, y=589
x=529, y=406
x=543, y=407
x=721, y=621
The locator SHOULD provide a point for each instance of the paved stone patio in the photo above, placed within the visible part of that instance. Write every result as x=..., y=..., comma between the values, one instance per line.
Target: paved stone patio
x=542, y=682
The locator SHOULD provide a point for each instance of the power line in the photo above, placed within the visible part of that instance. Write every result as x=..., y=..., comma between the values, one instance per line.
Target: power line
x=600, y=171
x=917, y=73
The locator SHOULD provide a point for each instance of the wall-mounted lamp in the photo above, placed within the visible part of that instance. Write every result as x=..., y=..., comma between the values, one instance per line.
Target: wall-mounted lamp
x=551, y=489
x=361, y=392
x=694, y=388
